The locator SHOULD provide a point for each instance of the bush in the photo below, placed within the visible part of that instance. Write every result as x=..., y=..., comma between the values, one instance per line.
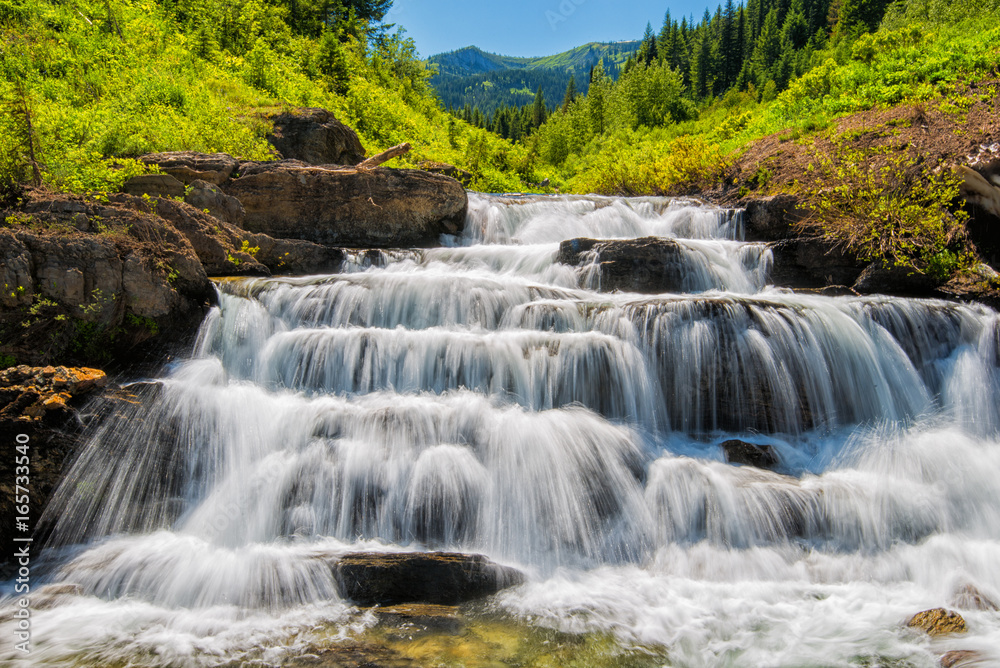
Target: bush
x=888, y=204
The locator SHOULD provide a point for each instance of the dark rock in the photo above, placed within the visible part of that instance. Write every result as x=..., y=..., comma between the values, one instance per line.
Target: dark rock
x=771, y=218
x=154, y=185
x=374, y=578
x=462, y=176
x=208, y=198
x=315, y=137
x=812, y=263
x=377, y=208
x=750, y=454
x=879, y=279
x=651, y=264
x=938, y=622
x=190, y=166
x=969, y=598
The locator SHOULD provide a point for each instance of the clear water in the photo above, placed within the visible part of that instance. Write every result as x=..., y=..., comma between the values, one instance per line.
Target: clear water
x=481, y=397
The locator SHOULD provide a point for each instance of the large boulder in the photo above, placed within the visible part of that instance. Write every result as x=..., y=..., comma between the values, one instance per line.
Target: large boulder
x=190, y=166
x=352, y=208
x=315, y=137
x=880, y=279
x=378, y=578
x=650, y=265
x=154, y=185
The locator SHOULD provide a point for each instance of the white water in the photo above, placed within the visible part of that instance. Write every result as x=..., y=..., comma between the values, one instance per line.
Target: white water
x=481, y=397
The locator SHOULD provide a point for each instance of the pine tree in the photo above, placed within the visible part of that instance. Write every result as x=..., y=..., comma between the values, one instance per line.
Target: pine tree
x=538, y=112
x=570, y=93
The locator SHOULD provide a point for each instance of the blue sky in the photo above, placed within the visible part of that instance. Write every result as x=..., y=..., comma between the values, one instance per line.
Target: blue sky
x=530, y=28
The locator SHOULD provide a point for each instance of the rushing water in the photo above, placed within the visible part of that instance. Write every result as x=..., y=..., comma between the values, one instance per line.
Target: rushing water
x=482, y=397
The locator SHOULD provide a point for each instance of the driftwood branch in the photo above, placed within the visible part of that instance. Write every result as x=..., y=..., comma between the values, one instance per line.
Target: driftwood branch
x=376, y=160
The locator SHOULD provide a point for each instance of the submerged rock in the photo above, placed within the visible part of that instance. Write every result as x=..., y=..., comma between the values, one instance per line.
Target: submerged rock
x=650, y=265
x=961, y=657
x=749, y=454
x=375, y=578
x=352, y=208
x=938, y=622
x=968, y=597
x=316, y=137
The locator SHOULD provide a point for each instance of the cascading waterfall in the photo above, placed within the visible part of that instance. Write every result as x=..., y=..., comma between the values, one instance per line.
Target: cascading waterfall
x=482, y=397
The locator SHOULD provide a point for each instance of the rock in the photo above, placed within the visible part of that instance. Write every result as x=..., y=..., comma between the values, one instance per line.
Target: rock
x=462, y=176
x=15, y=272
x=207, y=197
x=378, y=208
x=969, y=598
x=771, y=218
x=315, y=137
x=938, y=622
x=651, y=264
x=190, y=166
x=292, y=256
x=154, y=185
x=982, y=196
x=749, y=454
x=811, y=263
x=41, y=404
x=374, y=578
x=961, y=657
x=879, y=279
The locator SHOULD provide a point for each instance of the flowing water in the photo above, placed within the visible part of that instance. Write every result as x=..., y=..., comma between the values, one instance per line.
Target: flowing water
x=481, y=397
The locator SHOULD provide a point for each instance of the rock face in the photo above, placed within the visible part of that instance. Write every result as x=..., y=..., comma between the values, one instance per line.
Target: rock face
x=749, y=454
x=345, y=207
x=962, y=657
x=314, y=136
x=40, y=405
x=81, y=274
x=207, y=197
x=771, y=218
x=650, y=265
x=374, y=578
x=189, y=166
x=938, y=622
x=812, y=263
x=154, y=185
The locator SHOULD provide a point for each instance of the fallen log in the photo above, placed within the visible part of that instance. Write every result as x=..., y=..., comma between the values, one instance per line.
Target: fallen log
x=384, y=156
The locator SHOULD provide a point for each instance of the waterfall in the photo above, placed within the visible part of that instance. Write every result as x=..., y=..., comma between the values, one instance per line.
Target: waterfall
x=483, y=397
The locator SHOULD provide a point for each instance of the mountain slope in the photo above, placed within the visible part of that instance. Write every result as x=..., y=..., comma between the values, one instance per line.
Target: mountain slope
x=488, y=80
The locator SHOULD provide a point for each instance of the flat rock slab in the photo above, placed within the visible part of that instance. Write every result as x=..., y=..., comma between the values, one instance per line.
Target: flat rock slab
x=443, y=578
x=387, y=208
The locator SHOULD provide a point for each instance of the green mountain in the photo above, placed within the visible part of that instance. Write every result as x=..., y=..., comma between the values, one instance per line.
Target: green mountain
x=473, y=77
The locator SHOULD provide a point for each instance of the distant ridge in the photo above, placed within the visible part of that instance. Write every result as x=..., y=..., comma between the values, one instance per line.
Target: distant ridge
x=489, y=80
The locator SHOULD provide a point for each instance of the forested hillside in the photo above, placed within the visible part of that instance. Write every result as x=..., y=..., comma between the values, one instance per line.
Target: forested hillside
x=483, y=81
x=89, y=85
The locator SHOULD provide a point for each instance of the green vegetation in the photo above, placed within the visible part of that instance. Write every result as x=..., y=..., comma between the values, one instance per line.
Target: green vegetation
x=889, y=203
x=87, y=86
